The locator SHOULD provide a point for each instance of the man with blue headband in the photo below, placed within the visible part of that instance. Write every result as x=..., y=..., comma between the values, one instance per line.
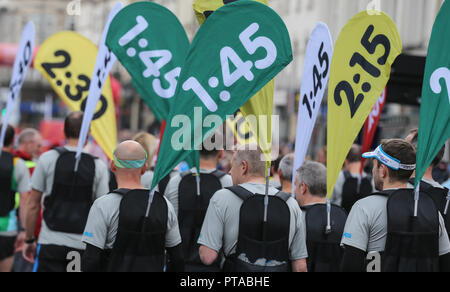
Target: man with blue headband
x=383, y=228
x=129, y=230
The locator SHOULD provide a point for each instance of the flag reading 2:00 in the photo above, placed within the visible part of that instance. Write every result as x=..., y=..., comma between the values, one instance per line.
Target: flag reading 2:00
x=243, y=57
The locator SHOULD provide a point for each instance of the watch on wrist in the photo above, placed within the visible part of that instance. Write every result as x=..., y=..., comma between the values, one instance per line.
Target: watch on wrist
x=30, y=241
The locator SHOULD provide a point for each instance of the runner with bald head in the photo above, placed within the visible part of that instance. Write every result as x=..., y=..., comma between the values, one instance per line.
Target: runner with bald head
x=122, y=234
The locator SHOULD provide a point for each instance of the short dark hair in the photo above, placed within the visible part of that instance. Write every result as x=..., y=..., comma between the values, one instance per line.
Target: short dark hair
x=72, y=125
x=414, y=140
x=205, y=151
x=9, y=135
x=355, y=154
x=403, y=151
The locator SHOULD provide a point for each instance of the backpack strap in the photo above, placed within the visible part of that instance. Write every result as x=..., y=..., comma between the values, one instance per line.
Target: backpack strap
x=387, y=193
x=347, y=174
x=306, y=208
x=186, y=173
x=64, y=150
x=241, y=192
x=61, y=150
x=284, y=196
x=122, y=192
x=219, y=174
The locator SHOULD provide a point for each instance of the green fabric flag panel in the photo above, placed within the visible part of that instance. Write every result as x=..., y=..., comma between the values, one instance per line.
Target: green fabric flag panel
x=236, y=52
x=434, y=125
x=152, y=45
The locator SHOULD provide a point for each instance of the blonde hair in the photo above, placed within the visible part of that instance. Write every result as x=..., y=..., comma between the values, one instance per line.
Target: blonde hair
x=149, y=143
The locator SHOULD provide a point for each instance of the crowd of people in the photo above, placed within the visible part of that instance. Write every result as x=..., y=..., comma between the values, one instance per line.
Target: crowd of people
x=212, y=220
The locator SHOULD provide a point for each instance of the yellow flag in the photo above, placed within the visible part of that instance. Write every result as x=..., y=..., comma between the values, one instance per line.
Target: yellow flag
x=365, y=50
x=204, y=8
x=67, y=61
x=241, y=130
x=260, y=106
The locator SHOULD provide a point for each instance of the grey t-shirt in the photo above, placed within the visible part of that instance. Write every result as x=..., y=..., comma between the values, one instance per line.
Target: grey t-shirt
x=9, y=224
x=147, y=179
x=103, y=222
x=221, y=225
x=366, y=227
x=42, y=181
x=336, y=198
x=172, y=188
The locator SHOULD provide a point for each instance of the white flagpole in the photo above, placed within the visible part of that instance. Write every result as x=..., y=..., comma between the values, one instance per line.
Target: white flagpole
x=104, y=63
x=22, y=62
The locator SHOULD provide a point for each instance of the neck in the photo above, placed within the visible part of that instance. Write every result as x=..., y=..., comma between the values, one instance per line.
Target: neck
x=394, y=185
x=429, y=174
x=208, y=164
x=310, y=199
x=354, y=167
x=72, y=142
x=256, y=180
x=131, y=182
x=286, y=187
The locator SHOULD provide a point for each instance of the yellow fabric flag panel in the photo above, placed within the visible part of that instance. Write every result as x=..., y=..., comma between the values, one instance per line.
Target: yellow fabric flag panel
x=365, y=50
x=67, y=61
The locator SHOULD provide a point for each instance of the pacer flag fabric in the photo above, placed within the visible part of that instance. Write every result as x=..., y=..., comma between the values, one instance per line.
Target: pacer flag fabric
x=152, y=45
x=105, y=60
x=259, y=106
x=22, y=62
x=204, y=8
x=434, y=125
x=245, y=44
x=371, y=125
x=241, y=130
x=67, y=61
x=314, y=82
x=365, y=50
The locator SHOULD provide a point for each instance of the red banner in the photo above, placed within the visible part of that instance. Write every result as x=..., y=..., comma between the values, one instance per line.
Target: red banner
x=371, y=124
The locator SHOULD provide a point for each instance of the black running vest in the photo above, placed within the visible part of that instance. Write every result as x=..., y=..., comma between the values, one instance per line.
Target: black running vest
x=262, y=246
x=7, y=194
x=350, y=192
x=324, y=251
x=140, y=242
x=67, y=208
x=439, y=196
x=191, y=213
x=412, y=243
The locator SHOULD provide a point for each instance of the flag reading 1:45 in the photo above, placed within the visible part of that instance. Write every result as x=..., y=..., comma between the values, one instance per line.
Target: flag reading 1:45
x=152, y=45
x=239, y=49
x=434, y=126
x=365, y=50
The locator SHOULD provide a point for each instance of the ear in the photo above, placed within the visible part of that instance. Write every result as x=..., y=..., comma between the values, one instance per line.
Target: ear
x=280, y=174
x=113, y=166
x=303, y=188
x=244, y=167
x=384, y=171
x=144, y=169
x=220, y=154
